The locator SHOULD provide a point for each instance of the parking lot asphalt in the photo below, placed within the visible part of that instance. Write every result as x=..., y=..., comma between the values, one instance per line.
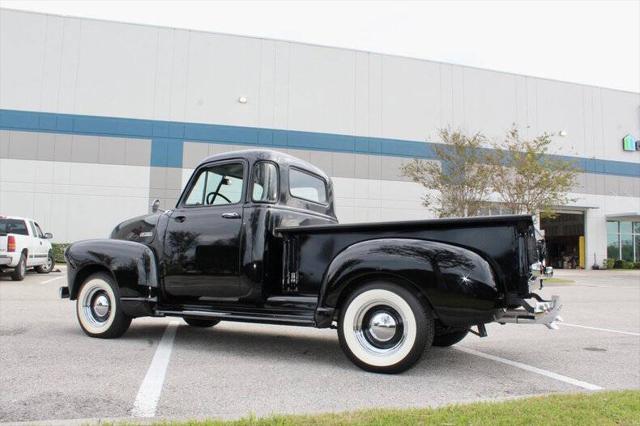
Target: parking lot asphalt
x=49, y=370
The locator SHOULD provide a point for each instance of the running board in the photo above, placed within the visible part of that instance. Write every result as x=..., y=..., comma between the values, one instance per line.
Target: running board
x=268, y=318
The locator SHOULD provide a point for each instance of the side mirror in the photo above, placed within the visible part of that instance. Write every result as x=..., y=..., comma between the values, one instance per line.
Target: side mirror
x=155, y=206
x=48, y=235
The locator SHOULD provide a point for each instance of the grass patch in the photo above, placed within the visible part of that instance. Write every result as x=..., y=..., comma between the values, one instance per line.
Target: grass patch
x=558, y=280
x=601, y=408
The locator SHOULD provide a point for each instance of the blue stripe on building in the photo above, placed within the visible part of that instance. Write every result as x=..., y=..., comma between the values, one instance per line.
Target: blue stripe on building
x=168, y=138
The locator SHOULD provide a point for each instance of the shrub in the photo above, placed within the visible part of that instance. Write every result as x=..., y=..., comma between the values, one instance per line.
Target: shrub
x=58, y=251
x=620, y=264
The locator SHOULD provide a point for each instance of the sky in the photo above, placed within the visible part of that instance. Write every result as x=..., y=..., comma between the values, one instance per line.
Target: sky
x=589, y=42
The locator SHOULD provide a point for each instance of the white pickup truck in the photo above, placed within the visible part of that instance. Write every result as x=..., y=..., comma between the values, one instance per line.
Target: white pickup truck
x=23, y=245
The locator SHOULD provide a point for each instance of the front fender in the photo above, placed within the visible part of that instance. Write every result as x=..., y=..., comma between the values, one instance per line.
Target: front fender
x=133, y=265
x=457, y=282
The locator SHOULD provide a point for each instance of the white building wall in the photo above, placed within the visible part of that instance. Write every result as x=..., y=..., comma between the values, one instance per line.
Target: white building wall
x=74, y=201
x=89, y=67
x=82, y=66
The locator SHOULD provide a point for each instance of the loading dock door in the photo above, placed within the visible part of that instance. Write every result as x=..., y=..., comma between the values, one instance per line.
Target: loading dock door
x=564, y=235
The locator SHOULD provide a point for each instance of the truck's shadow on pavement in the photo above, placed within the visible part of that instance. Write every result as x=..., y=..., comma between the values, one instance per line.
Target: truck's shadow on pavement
x=322, y=349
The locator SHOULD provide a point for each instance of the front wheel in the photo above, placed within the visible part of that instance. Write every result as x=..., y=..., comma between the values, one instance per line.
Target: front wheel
x=384, y=328
x=99, y=309
x=48, y=266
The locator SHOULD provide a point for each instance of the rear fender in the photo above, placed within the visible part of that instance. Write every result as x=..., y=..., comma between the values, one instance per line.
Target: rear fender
x=458, y=283
x=132, y=265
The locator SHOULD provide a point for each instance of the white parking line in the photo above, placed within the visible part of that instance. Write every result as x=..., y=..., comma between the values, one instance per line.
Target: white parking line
x=600, y=329
x=530, y=368
x=51, y=280
x=148, y=396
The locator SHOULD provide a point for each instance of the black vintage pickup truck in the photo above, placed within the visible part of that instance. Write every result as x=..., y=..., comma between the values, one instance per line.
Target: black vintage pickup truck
x=254, y=238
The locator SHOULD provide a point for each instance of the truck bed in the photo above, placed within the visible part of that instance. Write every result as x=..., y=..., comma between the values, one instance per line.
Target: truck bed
x=495, y=238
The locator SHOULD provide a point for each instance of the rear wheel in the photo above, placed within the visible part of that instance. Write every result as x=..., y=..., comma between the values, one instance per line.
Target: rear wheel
x=20, y=270
x=384, y=328
x=48, y=266
x=196, y=322
x=449, y=339
x=99, y=309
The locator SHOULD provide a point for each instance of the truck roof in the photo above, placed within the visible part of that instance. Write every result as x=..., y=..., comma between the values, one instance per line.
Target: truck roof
x=14, y=217
x=279, y=157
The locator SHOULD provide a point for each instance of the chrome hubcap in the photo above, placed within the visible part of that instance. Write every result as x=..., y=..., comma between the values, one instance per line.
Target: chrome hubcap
x=101, y=305
x=382, y=327
x=96, y=306
x=379, y=327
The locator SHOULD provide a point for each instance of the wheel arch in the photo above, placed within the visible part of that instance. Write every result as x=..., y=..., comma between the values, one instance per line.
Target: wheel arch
x=455, y=283
x=84, y=273
x=355, y=284
x=131, y=265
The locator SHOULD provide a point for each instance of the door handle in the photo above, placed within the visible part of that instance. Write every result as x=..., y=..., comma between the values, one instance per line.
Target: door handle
x=179, y=218
x=231, y=215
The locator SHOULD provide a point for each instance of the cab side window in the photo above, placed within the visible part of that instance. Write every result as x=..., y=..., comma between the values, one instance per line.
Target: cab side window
x=39, y=232
x=265, y=182
x=217, y=185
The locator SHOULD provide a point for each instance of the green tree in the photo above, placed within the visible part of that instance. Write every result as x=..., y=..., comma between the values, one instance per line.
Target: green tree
x=460, y=176
x=526, y=178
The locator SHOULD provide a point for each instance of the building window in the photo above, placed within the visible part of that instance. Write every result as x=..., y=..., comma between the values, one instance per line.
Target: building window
x=623, y=240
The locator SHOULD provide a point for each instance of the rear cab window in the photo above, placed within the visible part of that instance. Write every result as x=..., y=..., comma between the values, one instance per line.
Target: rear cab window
x=13, y=226
x=307, y=186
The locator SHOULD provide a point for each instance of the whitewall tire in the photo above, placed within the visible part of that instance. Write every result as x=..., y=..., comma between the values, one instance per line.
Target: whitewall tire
x=384, y=328
x=99, y=309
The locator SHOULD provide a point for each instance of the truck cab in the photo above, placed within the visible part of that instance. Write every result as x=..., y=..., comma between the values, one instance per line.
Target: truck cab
x=254, y=237
x=220, y=242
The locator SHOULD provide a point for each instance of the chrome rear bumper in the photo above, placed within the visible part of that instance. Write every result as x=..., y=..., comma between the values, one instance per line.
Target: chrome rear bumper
x=544, y=312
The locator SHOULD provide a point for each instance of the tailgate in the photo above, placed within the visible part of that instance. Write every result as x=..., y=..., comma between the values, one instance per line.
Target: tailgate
x=3, y=243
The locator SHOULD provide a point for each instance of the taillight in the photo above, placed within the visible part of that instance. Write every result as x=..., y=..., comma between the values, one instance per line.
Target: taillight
x=11, y=243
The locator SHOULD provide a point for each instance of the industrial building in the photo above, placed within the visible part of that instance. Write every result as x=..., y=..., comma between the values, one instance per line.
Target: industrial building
x=99, y=118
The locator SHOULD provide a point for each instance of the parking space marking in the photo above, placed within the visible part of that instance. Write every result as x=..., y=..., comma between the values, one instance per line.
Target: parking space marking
x=148, y=396
x=630, y=333
x=530, y=368
x=51, y=280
